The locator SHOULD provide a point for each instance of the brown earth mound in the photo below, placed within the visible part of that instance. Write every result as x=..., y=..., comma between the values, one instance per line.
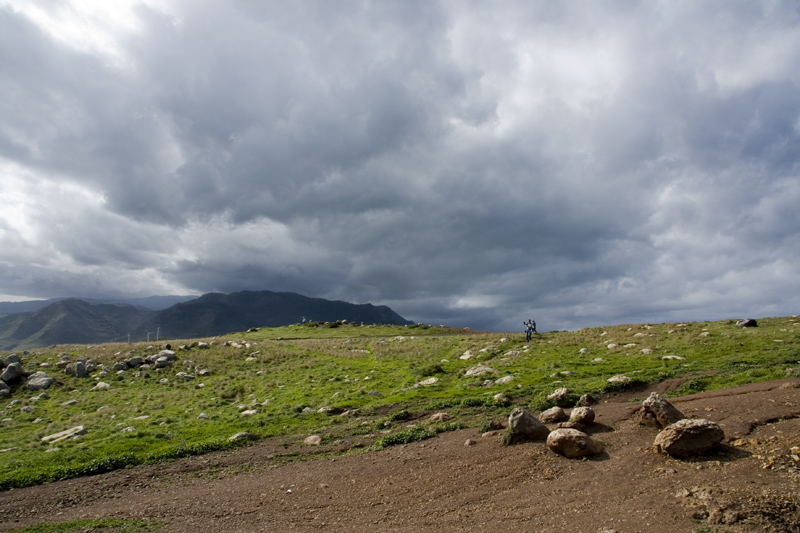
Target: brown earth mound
x=444, y=484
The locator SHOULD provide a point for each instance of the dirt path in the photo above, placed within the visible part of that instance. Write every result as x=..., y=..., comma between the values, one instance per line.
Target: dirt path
x=441, y=484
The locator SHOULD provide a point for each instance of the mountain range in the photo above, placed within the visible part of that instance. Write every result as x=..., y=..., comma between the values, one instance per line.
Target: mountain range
x=26, y=325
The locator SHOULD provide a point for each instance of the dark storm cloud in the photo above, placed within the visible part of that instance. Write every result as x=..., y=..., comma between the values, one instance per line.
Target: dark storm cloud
x=472, y=164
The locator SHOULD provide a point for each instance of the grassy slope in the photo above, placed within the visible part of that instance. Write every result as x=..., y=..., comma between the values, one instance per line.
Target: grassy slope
x=288, y=374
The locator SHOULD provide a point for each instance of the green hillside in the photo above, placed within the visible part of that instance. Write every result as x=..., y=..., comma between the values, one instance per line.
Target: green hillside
x=359, y=387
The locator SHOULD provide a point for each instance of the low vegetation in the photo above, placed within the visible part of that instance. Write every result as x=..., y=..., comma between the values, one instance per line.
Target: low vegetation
x=358, y=387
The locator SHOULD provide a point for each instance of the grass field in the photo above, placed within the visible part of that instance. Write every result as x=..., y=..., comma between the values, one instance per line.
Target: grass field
x=352, y=383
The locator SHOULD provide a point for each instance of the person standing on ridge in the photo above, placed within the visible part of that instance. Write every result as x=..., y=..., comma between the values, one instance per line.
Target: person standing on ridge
x=530, y=327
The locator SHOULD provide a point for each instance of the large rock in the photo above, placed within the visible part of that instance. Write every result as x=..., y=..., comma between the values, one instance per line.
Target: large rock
x=12, y=371
x=169, y=354
x=689, y=436
x=163, y=362
x=5, y=390
x=656, y=411
x=582, y=415
x=523, y=426
x=39, y=381
x=747, y=323
x=572, y=443
x=553, y=415
x=80, y=370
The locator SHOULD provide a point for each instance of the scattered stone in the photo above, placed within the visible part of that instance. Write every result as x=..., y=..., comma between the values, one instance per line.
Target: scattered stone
x=203, y=345
x=440, y=417
x=470, y=442
x=571, y=425
x=673, y=358
x=202, y=416
x=689, y=436
x=375, y=393
x=619, y=378
x=747, y=323
x=128, y=429
x=587, y=400
x=72, y=432
x=39, y=381
x=169, y=354
x=12, y=371
x=612, y=345
x=243, y=436
x=647, y=351
x=572, y=443
x=249, y=412
x=101, y=385
x=524, y=426
x=68, y=403
x=5, y=390
x=553, y=415
x=26, y=409
x=504, y=380
x=657, y=411
x=582, y=415
x=80, y=370
x=184, y=375
x=500, y=398
x=479, y=370
x=584, y=351
x=597, y=360
x=313, y=440
x=558, y=395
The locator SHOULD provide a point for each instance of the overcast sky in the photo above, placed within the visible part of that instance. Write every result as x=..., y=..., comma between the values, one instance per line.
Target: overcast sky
x=473, y=164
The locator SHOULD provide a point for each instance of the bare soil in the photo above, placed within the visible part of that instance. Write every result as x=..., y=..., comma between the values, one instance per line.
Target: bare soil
x=446, y=484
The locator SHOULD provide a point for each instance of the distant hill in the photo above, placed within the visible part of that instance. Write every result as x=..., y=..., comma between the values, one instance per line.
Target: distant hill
x=70, y=321
x=76, y=321
x=216, y=314
x=154, y=303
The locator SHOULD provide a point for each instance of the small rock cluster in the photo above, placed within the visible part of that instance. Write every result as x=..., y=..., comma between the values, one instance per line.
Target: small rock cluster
x=567, y=439
x=13, y=372
x=679, y=436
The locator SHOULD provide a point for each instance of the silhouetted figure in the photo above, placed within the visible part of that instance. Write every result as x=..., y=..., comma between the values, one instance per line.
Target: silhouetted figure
x=530, y=327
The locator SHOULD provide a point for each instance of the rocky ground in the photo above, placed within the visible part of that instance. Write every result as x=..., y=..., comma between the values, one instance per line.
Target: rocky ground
x=461, y=481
